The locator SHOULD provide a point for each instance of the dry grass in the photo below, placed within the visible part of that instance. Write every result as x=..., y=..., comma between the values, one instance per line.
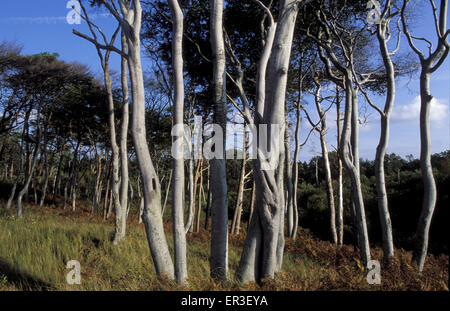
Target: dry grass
x=34, y=251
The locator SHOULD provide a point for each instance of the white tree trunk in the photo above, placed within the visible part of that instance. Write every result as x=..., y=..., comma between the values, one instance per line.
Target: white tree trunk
x=263, y=247
x=123, y=144
x=326, y=164
x=235, y=227
x=191, y=208
x=130, y=20
x=385, y=219
x=429, y=184
x=179, y=235
x=289, y=184
x=351, y=125
x=219, y=208
x=429, y=64
x=340, y=209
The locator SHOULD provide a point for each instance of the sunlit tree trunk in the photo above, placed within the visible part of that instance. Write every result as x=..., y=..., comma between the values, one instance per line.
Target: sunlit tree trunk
x=326, y=161
x=179, y=234
x=130, y=19
x=263, y=247
x=385, y=219
x=123, y=144
x=429, y=64
x=340, y=209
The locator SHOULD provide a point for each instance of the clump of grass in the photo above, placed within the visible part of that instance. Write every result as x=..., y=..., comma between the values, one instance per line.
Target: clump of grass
x=34, y=252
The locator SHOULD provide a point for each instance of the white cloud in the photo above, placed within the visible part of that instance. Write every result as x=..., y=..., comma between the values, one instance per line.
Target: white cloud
x=411, y=112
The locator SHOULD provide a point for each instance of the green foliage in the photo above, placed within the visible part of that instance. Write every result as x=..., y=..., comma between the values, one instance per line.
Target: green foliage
x=405, y=191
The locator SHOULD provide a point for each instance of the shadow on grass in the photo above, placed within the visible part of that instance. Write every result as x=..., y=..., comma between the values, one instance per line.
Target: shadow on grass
x=21, y=280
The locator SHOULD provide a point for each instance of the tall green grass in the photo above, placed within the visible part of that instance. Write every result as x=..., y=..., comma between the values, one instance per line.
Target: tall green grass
x=34, y=252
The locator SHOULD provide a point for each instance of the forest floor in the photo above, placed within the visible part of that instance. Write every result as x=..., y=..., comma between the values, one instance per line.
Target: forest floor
x=34, y=252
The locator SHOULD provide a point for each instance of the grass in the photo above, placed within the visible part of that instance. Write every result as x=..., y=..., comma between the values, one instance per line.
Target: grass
x=34, y=252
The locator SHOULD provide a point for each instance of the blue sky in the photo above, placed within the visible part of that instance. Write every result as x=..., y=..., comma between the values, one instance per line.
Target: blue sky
x=41, y=26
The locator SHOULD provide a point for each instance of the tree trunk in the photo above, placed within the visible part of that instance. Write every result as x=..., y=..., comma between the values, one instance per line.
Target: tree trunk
x=200, y=194
x=340, y=209
x=191, y=208
x=57, y=181
x=263, y=245
x=179, y=235
x=429, y=184
x=330, y=192
x=119, y=229
x=123, y=143
x=235, y=226
x=48, y=168
x=167, y=191
x=293, y=233
x=385, y=219
x=350, y=126
x=289, y=184
x=131, y=21
x=108, y=181
x=73, y=180
x=326, y=161
x=218, y=177
x=21, y=165
x=33, y=165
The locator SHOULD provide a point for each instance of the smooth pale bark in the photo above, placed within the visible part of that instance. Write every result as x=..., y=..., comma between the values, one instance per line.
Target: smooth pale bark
x=326, y=161
x=71, y=178
x=190, y=225
x=96, y=182
x=429, y=199
x=330, y=192
x=108, y=182
x=100, y=185
x=289, y=184
x=429, y=64
x=280, y=184
x=191, y=208
x=123, y=143
x=218, y=177
x=110, y=204
x=169, y=183
x=115, y=183
x=236, y=224
x=262, y=254
x=350, y=127
x=200, y=194
x=252, y=204
x=385, y=219
x=293, y=233
x=117, y=195
x=141, y=209
x=74, y=180
x=340, y=208
x=130, y=19
x=179, y=235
